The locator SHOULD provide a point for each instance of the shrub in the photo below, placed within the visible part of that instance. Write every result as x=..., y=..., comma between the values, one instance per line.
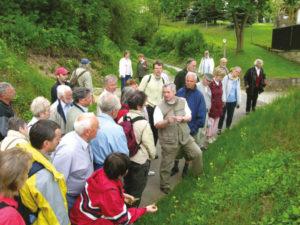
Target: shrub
x=189, y=43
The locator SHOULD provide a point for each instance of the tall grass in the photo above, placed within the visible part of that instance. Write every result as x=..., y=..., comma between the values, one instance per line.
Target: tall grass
x=251, y=174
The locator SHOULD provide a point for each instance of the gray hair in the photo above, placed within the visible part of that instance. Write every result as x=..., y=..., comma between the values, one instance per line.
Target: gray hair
x=172, y=86
x=126, y=93
x=109, y=102
x=192, y=74
x=15, y=123
x=258, y=61
x=110, y=78
x=62, y=89
x=39, y=105
x=83, y=122
x=80, y=93
x=3, y=87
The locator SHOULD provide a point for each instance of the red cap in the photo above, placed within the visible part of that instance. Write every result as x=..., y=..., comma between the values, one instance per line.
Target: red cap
x=61, y=71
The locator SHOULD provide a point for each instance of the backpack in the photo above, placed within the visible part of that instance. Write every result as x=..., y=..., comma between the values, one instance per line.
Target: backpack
x=127, y=125
x=26, y=213
x=74, y=79
x=163, y=80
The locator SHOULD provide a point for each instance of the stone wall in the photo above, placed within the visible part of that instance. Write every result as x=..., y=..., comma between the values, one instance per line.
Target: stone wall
x=291, y=55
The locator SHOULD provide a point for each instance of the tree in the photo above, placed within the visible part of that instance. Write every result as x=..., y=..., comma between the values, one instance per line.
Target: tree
x=175, y=9
x=240, y=11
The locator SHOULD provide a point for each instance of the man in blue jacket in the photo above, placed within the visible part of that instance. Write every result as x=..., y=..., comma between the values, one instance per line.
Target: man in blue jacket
x=196, y=103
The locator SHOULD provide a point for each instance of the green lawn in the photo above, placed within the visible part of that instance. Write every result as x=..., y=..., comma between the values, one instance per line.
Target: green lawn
x=275, y=66
x=251, y=174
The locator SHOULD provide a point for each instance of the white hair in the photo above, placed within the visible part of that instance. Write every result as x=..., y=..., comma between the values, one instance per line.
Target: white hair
x=39, y=105
x=108, y=103
x=110, y=78
x=258, y=61
x=62, y=89
x=172, y=86
x=83, y=122
x=191, y=74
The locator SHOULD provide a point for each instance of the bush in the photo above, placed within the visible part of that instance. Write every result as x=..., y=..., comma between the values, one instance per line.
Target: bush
x=189, y=43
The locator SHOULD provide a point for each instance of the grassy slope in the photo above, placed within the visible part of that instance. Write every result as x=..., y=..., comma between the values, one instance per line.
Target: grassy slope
x=29, y=83
x=252, y=174
x=275, y=66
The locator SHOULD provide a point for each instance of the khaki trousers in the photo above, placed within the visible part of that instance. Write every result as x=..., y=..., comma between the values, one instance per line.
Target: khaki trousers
x=190, y=151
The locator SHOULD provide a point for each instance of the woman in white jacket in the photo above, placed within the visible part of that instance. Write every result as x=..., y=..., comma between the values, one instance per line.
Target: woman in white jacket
x=231, y=96
x=207, y=64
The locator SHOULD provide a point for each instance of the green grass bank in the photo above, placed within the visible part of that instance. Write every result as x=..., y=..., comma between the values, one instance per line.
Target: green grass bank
x=28, y=82
x=251, y=174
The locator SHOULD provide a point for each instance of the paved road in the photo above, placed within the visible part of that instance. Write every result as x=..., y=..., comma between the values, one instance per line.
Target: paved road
x=152, y=192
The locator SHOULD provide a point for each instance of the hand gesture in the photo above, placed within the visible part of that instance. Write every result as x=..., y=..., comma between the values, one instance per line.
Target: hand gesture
x=129, y=199
x=151, y=208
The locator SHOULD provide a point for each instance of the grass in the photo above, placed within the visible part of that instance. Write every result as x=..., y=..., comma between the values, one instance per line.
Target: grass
x=261, y=34
x=28, y=82
x=252, y=174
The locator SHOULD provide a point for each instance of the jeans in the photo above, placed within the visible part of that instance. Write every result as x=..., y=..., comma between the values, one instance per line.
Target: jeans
x=229, y=109
x=124, y=80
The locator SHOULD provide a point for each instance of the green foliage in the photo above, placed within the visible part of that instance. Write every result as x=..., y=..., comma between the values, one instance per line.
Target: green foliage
x=169, y=44
x=251, y=174
x=189, y=43
x=27, y=81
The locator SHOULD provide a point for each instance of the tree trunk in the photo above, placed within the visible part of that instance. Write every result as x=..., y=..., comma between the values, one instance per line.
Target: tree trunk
x=239, y=24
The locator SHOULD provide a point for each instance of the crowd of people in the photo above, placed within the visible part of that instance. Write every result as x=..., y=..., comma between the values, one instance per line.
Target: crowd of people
x=70, y=166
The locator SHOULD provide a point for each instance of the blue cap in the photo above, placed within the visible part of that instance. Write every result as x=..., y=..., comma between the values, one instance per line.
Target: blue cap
x=85, y=61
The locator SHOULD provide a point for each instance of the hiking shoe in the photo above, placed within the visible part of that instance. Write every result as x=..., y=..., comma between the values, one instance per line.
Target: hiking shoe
x=185, y=170
x=165, y=190
x=174, y=170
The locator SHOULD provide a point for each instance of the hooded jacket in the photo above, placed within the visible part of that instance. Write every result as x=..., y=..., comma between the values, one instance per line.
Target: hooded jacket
x=44, y=193
x=102, y=202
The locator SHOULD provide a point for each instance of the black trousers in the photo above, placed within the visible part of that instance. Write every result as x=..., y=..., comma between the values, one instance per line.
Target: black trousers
x=229, y=110
x=251, y=100
x=136, y=179
x=150, y=111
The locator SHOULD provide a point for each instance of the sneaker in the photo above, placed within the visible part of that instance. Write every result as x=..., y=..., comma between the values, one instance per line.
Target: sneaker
x=210, y=140
x=151, y=173
x=219, y=131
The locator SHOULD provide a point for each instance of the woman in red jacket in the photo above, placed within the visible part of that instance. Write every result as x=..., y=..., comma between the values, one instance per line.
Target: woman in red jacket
x=14, y=166
x=102, y=201
x=216, y=105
